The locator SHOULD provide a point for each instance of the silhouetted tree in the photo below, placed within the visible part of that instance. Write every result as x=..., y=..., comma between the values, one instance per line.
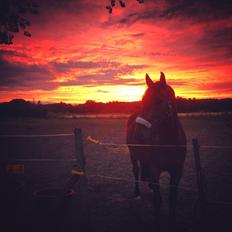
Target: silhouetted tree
x=13, y=18
x=22, y=108
x=112, y=4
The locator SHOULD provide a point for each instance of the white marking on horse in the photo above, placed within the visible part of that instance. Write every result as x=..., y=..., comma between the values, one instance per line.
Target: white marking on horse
x=143, y=122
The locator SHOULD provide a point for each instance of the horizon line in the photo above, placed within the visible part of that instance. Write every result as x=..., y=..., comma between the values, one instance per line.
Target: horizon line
x=91, y=100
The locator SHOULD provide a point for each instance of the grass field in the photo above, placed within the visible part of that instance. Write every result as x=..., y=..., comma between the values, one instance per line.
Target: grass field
x=111, y=205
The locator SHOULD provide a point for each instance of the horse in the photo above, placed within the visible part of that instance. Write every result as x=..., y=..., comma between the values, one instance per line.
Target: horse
x=157, y=142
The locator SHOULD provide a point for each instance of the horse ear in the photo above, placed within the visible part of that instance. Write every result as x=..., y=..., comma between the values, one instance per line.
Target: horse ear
x=149, y=81
x=162, y=78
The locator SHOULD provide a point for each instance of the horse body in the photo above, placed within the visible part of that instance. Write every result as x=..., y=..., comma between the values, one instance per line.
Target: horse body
x=157, y=123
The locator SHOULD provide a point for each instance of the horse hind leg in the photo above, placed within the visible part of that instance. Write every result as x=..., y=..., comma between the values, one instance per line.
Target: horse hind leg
x=136, y=175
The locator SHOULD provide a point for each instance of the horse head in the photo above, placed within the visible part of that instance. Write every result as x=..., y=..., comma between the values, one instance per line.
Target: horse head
x=158, y=103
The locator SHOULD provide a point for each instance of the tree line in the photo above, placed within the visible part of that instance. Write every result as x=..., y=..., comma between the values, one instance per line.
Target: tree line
x=23, y=108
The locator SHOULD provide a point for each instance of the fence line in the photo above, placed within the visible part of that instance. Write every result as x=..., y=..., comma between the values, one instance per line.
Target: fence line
x=43, y=160
x=33, y=136
x=75, y=160
x=94, y=141
x=141, y=145
x=161, y=146
x=79, y=145
x=98, y=142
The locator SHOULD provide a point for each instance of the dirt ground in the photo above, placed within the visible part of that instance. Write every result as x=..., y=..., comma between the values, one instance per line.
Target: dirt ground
x=110, y=205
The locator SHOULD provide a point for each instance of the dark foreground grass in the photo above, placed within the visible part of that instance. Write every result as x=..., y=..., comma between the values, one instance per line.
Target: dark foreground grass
x=110, y=185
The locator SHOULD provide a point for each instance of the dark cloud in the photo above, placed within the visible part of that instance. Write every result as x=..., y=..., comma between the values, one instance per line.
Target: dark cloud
x=71, y=6
x=187, y=10
x=106, y=72
x=66, y=66
x=218, y=39
x=218, y=86
x=57, y=12
x=178, y=83
x=12, y=53
x=198, y=10
x=17, y=75
x=93, y=80
x=24, y=76
x=10, y=69
x=110, y=76
x=136, y=35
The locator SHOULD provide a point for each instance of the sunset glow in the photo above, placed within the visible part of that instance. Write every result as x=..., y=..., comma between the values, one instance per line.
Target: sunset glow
x=79, y=52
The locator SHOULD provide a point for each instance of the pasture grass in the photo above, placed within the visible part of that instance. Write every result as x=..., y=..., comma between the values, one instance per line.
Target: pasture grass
x=111, y=205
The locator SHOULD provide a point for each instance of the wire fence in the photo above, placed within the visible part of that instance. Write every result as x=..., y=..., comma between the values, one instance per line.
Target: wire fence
x=110, y=144
x=89, y=139
x=44, y=160
x=34, y=136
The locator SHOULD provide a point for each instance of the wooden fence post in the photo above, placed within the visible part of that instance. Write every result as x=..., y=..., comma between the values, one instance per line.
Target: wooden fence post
x=78, y=169
x=200, y=208
x=79, y=149
x=82, y=190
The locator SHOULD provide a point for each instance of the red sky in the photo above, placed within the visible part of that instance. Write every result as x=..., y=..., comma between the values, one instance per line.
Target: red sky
x=79, y=52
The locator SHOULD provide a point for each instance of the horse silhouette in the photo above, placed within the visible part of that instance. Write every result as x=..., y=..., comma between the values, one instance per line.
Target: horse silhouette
x=157, y=123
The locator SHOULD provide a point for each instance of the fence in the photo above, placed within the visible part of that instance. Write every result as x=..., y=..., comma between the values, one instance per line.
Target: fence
x=78, y=172
x=79, y=167
x=13, y=171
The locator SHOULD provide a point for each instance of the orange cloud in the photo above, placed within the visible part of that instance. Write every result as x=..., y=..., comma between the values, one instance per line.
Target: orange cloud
x=78, y=51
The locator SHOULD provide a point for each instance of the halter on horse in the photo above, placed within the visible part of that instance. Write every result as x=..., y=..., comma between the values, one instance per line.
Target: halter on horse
x=157, y=123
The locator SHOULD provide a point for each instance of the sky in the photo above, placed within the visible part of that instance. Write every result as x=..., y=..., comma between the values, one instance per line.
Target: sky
x=79, y=52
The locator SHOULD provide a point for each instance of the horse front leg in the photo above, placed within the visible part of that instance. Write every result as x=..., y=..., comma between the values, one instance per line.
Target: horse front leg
x=174, y=182
x=136, y=175
x=154, y=185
